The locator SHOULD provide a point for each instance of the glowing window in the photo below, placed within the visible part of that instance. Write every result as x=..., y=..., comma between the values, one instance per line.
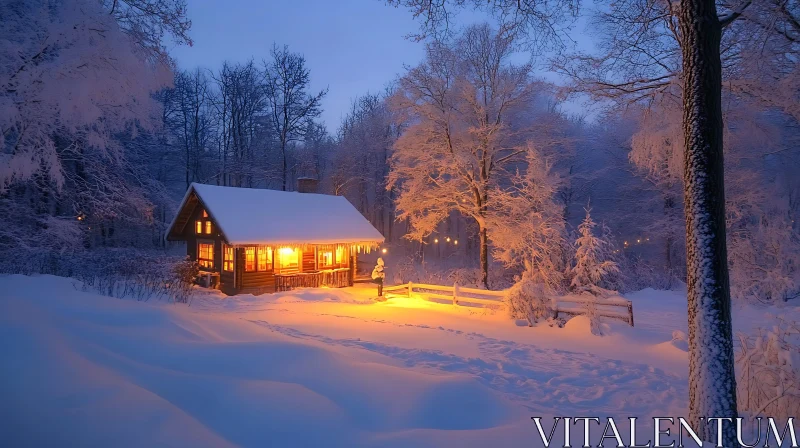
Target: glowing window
x=205, y=255
x=325, y=258
x=289, y=258
x=208, y=227
x=205, y=214
x=227, y=261
x=342, y=256
x=250, y=259
x=198, y=227
x=264, y=258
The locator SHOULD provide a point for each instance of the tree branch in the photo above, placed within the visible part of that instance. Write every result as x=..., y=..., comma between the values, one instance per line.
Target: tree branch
x=734, y=14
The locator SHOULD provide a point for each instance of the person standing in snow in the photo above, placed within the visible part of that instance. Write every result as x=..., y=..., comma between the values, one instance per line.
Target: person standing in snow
x=378, y=275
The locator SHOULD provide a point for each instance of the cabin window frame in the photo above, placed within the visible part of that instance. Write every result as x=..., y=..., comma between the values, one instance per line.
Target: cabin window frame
x=208, y=227
x=268, y=261
x=248, y=267
x=205, y=262
x=198, y=227
x=227, y=262
x=321, y=258
x=298, y=259
x=342, y=255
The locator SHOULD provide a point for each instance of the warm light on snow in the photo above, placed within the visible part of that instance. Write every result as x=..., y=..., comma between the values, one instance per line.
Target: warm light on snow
x=255, y=370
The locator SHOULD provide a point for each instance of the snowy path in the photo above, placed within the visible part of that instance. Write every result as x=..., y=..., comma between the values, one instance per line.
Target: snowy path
x=541, y=379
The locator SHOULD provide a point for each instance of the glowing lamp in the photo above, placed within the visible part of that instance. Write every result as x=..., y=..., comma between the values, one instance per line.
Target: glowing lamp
x=455, y=242
x=447, y=239
x=436, y=240
x=383, y=251
x=286, y=251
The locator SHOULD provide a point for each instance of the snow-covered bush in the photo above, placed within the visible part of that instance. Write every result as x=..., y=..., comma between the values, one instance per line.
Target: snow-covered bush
x=764, y=260
x=444, y=272
x=638, y=273
x=141, y=277
x=529, y=300
x=122, y=273
x=768, y=365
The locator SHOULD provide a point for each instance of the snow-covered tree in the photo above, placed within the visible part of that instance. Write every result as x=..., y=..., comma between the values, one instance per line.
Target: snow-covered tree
x=361, y=161
x=461, y=103
x=77, y=79
x=72, y=77
x=594, y=264
x=528, y=228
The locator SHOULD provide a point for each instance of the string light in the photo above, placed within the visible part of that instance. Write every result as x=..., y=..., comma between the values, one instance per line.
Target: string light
x=383, y=250
x=447, y=239
x=436, y=240
x=455, y=242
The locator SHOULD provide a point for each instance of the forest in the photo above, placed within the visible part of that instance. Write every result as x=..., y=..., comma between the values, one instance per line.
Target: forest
x=467, y=163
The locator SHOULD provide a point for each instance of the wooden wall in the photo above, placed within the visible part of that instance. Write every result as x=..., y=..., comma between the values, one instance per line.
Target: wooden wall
x=192, y=239
x=309, y=259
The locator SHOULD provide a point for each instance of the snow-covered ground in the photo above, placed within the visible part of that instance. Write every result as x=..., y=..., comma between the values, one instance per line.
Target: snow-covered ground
x=319, y=368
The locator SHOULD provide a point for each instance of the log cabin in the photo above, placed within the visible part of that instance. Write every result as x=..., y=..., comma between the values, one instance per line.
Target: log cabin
x=257, y=241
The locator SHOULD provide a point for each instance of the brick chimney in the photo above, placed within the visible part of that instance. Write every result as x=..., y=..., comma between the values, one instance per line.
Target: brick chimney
x=307, y=184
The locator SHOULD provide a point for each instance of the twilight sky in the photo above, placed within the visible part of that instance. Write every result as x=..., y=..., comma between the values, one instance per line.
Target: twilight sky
x=350, y=46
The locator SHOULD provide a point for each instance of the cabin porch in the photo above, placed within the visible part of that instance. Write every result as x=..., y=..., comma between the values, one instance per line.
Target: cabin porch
x=334, y=278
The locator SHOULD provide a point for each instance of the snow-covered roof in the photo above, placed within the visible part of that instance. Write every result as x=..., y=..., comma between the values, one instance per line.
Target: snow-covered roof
x=254, y=216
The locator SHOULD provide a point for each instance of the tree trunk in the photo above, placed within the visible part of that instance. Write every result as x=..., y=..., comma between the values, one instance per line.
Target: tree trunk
x=283, y=154
x=484, y=243
x=712, y=384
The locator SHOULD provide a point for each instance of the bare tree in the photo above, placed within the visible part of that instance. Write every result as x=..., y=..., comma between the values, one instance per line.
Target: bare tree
x=193, y=120
x=364, y=147
x=242, y=108
x=291, y=106
x=541, y=24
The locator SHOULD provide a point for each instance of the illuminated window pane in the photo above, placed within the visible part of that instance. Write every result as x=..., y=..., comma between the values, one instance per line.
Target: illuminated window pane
x=264, y=258
x=227, y=262
x=325, y=258
x=208, y=227
x=342, y=255
x=289, y=258
x=205, y=214
x=250, y=259
x=205, y=255
x=198, y=227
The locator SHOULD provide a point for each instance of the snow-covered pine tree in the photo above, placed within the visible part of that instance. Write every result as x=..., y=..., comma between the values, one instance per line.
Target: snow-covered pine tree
x=594, y=264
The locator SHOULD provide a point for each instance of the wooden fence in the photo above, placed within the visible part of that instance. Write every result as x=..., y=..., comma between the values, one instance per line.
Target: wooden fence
x=481, y=297
x=335, y=278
